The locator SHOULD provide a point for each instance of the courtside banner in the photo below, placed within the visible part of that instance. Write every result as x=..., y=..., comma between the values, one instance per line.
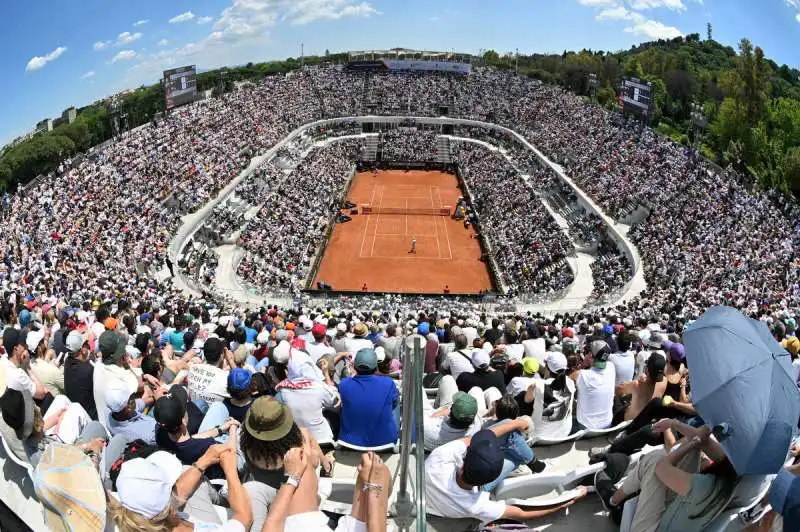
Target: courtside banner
x=427, y=66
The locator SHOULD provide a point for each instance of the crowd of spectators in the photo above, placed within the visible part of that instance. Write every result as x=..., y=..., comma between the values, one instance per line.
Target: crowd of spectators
x=408, y=145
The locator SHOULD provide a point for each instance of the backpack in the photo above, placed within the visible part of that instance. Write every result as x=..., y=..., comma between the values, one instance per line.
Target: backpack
x=134, y=449
x=502, y=525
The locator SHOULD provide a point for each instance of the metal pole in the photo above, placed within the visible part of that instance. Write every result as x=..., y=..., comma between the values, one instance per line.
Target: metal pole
x=403, y=507
x=302, y=54
x=517, y=61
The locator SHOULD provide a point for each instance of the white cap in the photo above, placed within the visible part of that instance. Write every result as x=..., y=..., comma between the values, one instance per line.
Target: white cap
x=341, y=327
x=380, y=353
x=117, y=395
x=555, y=361
x=263, y=337
x=480, y=358
x=75, y=341
x=281, y=352
x=144, y=487
x=33, y=338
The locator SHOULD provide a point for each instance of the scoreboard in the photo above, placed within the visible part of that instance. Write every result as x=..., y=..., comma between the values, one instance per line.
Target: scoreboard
x=180, y=86
x=636, y=97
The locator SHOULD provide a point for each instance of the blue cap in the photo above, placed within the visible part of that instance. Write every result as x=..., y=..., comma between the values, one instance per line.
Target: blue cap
x=424, y=328
x=608, y=329
x=784, y=497
x=483, y=461
x=239, y=380
x=24, y=318
x=366, y=360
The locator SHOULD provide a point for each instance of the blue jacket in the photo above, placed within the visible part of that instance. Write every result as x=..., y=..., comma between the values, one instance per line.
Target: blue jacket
x=367, y=405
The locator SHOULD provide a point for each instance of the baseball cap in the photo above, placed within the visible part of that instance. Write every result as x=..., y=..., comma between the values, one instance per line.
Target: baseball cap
x=239, y=380
x=784, y=497
x=13, y=337
x=143, y=487
x=600, y=351
x=567, y=332
x=112, y=346
x=24, y=317
x=480, y=358
x=423, y=328
x=656, y=341
x=318, y=330
x=464, y=408
x=366, y=360
x=655, y=367
x=675, y=350
x=268, y=419
x=530, y=365
x=555, y=361
x=117, y=395
x=33, y=338
x=75, y=340
x=169, y=411
x=281, y=352
x=17, y=410
x=483, y=460
x=70, y=490
x=380, y=354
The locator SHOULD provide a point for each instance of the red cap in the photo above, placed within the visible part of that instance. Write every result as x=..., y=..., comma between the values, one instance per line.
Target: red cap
x=567, y=332
x=319, y=330
x=30, y=304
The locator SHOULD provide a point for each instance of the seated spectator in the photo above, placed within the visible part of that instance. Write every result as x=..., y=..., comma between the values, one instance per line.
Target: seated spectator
x=269, y=432
x=387, y=366
x=239, y=385
x=125, y=415
x=595, y=389
x=624, y=360
x=530, y=373
x=16, y=361
x=277, y=370
x=149, y=498
x=456, y=419
x=672, y=497
x=115, y=366
x=368, y=401
x=209, y=381
x=307, y=395
x=484, y=377
x=79, y=372
x=455, y=472
x=318, y=346
x=41, y=362
x=459, y=360
x=359, y=340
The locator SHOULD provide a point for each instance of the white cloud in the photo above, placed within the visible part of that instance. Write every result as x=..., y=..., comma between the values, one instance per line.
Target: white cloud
x=183, y=17
x=99, y=45
x=88, y=75
x=653, y=29
x=598, y=3
x=126, y=37
x=141, y=22
x=675, y=5
x=38, y=62
x=204, y=20
x=306, y=11
x=798, y=17
x=163, y=42
x=124, y=55
x=614, y=13
x=433, y=19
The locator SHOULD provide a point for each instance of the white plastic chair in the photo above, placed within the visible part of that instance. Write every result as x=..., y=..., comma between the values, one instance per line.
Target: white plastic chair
x=594, y=433
x=16, y=459
x=393, y=447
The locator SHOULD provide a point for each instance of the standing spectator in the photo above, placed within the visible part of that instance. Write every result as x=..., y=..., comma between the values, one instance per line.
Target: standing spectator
x=79, y=372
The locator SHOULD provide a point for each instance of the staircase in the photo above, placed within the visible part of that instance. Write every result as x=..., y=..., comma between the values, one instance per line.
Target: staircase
x=366, y=94
x=371, y=147
x=443, y=150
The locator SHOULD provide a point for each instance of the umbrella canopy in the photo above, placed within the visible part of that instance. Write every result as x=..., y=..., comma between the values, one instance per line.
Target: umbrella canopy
x=741, y=376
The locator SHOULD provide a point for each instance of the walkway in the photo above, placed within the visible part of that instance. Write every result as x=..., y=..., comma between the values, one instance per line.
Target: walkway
x=228, y=282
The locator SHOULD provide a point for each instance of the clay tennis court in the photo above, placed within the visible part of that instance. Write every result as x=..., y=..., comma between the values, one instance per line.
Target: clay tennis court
x=374, y=248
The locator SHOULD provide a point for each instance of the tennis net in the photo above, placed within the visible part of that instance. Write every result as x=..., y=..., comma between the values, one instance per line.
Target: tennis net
x=441, y=211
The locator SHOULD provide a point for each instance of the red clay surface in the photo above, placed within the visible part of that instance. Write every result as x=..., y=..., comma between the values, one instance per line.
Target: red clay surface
x=374, y=249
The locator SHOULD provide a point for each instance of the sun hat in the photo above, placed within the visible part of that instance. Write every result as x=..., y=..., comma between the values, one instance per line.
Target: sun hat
x=530, y=366
x=268, y=419
x=70, y=490
x=464, y=407
x=483, y=460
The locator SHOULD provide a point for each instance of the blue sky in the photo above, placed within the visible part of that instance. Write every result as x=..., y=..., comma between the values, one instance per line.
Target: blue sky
x=58, y=53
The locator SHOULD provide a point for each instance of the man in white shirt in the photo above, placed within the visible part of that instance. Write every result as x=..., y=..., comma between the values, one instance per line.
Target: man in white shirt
x=595, y=388
x=14, y=363
x=318, y=346
x=113, y=370
x=359, y=340
x=624, y=360
x=208, y=381
x=455, y=472
x=460, y=359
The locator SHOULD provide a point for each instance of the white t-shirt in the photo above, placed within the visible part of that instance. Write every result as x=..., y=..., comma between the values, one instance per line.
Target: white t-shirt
x=459, y=363
x=624, y=365
x=515, y=351
x=446, y=498
x=520, y=384
x=317, y=350
x=17, y=378
x=207, y=382
x=354, y=345
x=471, y=333
x=596, y=397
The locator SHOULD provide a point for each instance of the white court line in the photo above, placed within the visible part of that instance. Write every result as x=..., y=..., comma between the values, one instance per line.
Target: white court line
x=366, y=226
x=446, y=233
x=436, y=226
x=377, y=223
x=401, y=234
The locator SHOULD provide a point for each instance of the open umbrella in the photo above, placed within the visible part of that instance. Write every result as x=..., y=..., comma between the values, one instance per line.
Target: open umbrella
x=741, y=376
